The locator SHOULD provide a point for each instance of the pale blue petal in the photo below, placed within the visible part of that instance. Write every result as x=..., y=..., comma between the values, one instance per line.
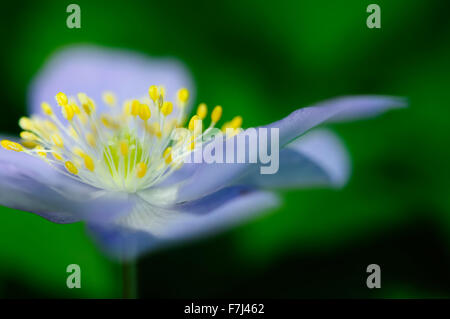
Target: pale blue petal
x=209, y=178
x=148, y=227
x=316, y=159
x=335, y=110
x=94, y=70
x=30, y=184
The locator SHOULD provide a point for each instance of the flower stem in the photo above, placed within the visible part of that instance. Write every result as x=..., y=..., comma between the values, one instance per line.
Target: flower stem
x=129, y=280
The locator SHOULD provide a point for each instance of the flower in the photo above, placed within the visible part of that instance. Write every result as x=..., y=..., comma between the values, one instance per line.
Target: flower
x=108, y=153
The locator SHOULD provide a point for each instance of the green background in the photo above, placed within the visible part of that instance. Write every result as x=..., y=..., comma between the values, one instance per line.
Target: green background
x=263, y=60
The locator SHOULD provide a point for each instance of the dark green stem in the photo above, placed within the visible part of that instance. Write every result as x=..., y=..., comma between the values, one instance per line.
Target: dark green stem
x=129, y=280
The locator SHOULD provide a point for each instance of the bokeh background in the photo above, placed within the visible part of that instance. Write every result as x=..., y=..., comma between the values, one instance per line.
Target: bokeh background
x=263, y=60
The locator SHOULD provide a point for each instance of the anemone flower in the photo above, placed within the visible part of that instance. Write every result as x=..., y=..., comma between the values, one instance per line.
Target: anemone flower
x=106, y=153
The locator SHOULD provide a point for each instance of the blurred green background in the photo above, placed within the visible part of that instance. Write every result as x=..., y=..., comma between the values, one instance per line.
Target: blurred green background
x=264, y=60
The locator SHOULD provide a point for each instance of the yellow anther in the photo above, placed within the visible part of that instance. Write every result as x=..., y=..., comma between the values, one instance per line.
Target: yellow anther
x=29, y=144
x=183, y=95
x=123, y=146
x=57, y=140
x=202, y=110
x=73, y=133
x=162, y=92
x=89, y=162
x=67, y=111
x=153, y=93
x=90, y=139
x=39, y=152
x=167, y=155
x=83, y=118
x=57, y=156
x=78, y=151
x=235, y=131
x=155, y=129
x=216, y=114
x=135, y=107
x=83, y=98
x=28, y=136
x=47, y=109
x=225, y=126
x=236, y=122
x=26, y=124
x=108, y=122
x=167, y=108
x=89, y=106
x=49, y=125
x=76, y=108
x=71, y=168
x=11, y=146
x=87, y=103
x=192, y=122
x=141, y=169
x=109, y=98
x=144, y=112
x=61, y=99
x=126, y=108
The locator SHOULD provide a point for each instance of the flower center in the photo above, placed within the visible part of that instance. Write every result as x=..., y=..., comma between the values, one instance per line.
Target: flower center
x=126, y=148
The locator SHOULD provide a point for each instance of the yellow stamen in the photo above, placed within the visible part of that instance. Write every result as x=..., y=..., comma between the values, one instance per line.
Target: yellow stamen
x=89, y=162
x=46, y=108
x=26, y=124
x=126, y=108
x=225, y=126
x=135, y=107
x=41, y=154
x=87, y=103
x=71, y=168
x=123, y=148
x=67, y=112
x=153, y=93
x=82, y=97
x=78, y=151
x=109, y=98
x=57, y=156
x=50, y=126
x=162, y=92
x=89, y=107
x=29, y=144
x=167, y=108
x=183, y=95
x=90, y=139
x=192, y=122
x=73, y=133
x=61, y=99
x=155, y=129
x=216, y=114
x=167, y=155
x=141, y=169
x=107, y=121
x=57, y=140
x=144, y=112
x=236, y=122
x=28, y=136
x=11, y=146
x=202, y=110
x=76, y=108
